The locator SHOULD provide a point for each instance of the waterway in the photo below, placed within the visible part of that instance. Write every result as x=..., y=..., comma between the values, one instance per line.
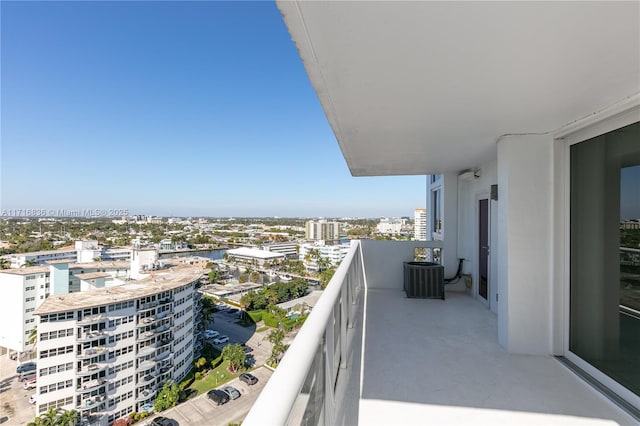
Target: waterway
x=211, y=254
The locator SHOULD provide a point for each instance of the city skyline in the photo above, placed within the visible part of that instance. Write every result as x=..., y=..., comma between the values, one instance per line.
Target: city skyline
x=172, y=109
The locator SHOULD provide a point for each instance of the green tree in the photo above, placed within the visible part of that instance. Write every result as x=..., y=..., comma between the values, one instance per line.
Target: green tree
x=68, y=418
x=235, y=355
x=4, y=263
x=214, y=275
x=168, y=397
x=32, y=340
x=325, y=276
x=276, y=338
x=30, y=262
x=200, y=363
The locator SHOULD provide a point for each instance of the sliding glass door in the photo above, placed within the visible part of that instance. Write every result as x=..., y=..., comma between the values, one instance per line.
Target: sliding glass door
x=604, y=323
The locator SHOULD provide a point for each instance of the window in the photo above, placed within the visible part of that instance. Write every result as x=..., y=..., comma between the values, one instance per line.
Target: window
x=605, y=254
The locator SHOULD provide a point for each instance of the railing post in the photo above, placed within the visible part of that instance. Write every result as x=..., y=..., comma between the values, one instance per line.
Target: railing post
x=344, y=320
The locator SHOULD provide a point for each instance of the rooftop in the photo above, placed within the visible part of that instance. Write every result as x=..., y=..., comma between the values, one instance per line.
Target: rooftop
x=92, y=275
x=251, y=252
x=163, y=280
x=123, y=264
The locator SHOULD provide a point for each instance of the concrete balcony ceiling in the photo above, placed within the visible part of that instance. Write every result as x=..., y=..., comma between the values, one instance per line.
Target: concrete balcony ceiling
x=410, y=86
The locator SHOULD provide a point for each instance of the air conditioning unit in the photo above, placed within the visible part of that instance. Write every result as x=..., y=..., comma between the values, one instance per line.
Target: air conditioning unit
x=424, y=280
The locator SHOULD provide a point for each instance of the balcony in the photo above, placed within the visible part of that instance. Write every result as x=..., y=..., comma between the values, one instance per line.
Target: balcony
x=147, y=350
x=144, y=322
x=146, y=366
x=91, y=352
x=91, y=385
x=146, y=306
x=93, y=319
x=146, y=380
x=164, y=356
x=145, y=395
x=163, y=328
x=92, y=369
x=163, y=314
x=93, y=403
x=91, y=336
x=149, y=334
x=369, y=355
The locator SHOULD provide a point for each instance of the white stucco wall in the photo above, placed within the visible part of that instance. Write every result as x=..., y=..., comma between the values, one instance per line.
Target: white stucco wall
x=470, y=190
x=525, y=243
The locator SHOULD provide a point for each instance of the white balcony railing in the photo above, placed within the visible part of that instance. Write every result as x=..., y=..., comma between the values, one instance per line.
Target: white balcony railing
x=301, y=389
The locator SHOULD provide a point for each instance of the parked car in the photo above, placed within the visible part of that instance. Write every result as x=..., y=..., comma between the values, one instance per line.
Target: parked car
x=26, y=375
x=32, y=399
x=247, y=348
x=249, y=378
x=231, y=391
x=27, y=366
x=218, y=396
x=30, y=383
x=211, y=334
x=163, y=421
x=232, y=310
x=220, y=340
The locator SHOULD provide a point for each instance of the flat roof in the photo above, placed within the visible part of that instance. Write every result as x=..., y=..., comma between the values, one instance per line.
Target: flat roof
x=42, y=252
x=310, y=300
x=252, y=252
x=92, y=275
x=118, y=264
x=161, y=280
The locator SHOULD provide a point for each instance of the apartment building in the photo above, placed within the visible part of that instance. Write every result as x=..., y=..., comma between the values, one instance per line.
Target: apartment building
x=107, y=351
x=18, y=260
x=310, y=254
x=289, y=249
x=24, y=289
x=420, y=224
x=252, y=256
x=390, y=226
x=83, y=251
x=321, y=230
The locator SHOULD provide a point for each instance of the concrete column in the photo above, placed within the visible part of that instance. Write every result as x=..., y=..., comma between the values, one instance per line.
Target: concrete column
x=450, y=223
x=525, y=243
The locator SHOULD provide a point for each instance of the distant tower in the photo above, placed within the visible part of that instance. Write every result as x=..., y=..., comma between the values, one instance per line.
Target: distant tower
x=323, y=230
x=420, y=224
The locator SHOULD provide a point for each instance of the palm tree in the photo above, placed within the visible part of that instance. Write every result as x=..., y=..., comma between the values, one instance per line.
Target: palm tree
x=50, y=417
x=4, y=263
x=68, y=418
x=30, y=262
x=32, y=339
x=277, y=349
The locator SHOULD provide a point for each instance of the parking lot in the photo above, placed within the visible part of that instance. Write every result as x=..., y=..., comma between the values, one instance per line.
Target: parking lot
x=15, y=408
x=14, y=400
x=202, y=411
x=226, y=325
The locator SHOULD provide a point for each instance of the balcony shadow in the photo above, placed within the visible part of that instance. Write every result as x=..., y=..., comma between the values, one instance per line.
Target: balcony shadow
x=426, y=359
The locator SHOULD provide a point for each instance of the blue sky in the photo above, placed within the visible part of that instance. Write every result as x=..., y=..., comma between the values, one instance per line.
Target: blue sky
x=200, y=108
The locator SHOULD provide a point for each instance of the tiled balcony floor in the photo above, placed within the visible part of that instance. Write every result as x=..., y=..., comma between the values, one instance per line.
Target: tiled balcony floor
x=438, y=362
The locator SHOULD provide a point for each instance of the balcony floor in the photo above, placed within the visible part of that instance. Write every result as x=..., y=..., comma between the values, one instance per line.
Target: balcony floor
x=438, y=362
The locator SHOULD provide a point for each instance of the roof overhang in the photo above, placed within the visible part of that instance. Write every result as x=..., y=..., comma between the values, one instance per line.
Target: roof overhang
x=428, y=87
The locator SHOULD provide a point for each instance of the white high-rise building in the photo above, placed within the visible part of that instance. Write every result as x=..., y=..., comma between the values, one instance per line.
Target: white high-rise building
x=106, y=352
x=24, y=289
x=420, y=224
